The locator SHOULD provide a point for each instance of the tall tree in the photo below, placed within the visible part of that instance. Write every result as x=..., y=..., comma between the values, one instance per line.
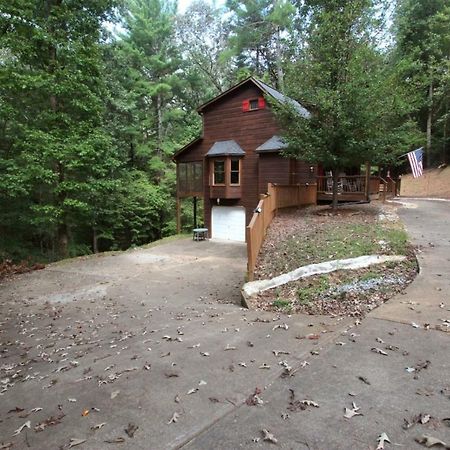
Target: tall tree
x=202, y=37
x=52, y=141
x=355, y=109
x=423, y=38
x=259, y=30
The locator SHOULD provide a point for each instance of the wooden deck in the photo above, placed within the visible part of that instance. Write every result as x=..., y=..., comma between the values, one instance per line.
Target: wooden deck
x=351, y=188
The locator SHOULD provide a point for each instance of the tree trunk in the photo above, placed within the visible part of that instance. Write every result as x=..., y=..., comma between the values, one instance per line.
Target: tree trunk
x=160, y=123
x=63, y=240
x=444, y=140
x=280, y=74
x=334, y=203
x=257, y=61
x=94, y=240
x=429, y=119
x=62, y=229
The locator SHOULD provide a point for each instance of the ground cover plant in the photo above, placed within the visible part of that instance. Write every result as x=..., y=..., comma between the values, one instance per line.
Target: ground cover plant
x=300, y=237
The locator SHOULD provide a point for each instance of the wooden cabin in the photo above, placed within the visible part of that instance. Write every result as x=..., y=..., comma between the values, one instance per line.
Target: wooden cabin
x=236, y=157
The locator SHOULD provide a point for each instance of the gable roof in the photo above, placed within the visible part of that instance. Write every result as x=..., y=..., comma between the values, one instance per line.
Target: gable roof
x=274, y=144
x=268, y=90
x=282, y=98
x=223, y=148
x=186, y=147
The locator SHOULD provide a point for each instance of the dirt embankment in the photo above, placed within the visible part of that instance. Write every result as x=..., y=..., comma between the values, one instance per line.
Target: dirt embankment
x=300, y=237
x=433, y=183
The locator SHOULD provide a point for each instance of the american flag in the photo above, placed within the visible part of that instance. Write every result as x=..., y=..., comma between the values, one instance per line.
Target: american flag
x=415, y=159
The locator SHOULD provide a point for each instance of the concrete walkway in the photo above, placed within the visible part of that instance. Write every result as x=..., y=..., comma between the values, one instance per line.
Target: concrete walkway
x=409, y=377
x=140, y=350
x=93, y=347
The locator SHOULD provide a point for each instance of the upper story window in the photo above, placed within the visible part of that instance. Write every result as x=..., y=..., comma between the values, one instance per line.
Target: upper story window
x=253, y=104
x=234, y=171
x=219, y=172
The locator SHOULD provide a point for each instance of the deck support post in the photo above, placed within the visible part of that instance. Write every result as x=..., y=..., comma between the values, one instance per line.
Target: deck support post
x=178, y=215
x=367, y=182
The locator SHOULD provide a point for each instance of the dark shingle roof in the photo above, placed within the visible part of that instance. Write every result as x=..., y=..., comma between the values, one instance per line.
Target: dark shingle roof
x=275, y=143
x=283, y=98
x=222, y=148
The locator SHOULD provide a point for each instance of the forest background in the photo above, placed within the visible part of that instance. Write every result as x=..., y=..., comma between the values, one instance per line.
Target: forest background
x=97, y=95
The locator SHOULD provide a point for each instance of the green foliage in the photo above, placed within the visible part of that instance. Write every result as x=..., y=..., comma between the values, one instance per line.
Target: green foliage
x=305, y=295
x=359, y=111
x=422, y=31
x=90, y=119
x=282, y=304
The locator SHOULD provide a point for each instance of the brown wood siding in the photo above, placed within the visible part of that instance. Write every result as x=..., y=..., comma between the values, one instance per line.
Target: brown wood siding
x=225, y=120
x=273, y=168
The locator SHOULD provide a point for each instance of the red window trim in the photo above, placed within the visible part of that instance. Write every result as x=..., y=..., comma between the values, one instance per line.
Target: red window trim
x=247, y=103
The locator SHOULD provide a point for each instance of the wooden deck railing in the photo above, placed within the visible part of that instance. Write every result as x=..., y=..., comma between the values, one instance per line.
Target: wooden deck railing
x=277, y=196
x=350, y=183
x=388, y=188
x=350, y=186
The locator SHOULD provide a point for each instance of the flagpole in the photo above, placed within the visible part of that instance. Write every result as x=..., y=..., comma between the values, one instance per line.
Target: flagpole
x=404, y=154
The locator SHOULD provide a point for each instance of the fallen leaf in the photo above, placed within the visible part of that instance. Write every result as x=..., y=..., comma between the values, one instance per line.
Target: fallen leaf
x=364, y=379
x=117, y=440
x=131, y=429
x=74, y=442
x=192, y=391
x=171, y=374
x=48, y=422
x=381, y=440
x=269, y=437
x=282, y=326
x=379, y=351
x=174, y=418
x=16, y=410
x=6, y=446
x=310, y=403
x=27, y=424
x=429, y=441
x=114, y=394
x=280, y=352
x=349, y=413
x=229, y=347
x=202, y=383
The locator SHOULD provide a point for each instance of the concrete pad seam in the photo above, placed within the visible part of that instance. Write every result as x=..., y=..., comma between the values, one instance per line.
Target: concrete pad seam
x=303, y=355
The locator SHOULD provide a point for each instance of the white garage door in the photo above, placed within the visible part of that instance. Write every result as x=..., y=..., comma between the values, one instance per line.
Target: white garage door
x=228, y=222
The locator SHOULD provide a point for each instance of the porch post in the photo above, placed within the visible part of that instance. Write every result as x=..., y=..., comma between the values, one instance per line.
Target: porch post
x=195, y=211
x=367, y=187
x=178, y=215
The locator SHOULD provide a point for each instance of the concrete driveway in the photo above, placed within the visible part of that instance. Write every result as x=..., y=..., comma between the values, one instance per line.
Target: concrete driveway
x=394, y=366
x=154, y=338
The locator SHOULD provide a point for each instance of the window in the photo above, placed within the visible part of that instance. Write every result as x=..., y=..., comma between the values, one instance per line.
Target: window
x=219, y=172
x=234, y=171
x=253, y=104
x=190, y=177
